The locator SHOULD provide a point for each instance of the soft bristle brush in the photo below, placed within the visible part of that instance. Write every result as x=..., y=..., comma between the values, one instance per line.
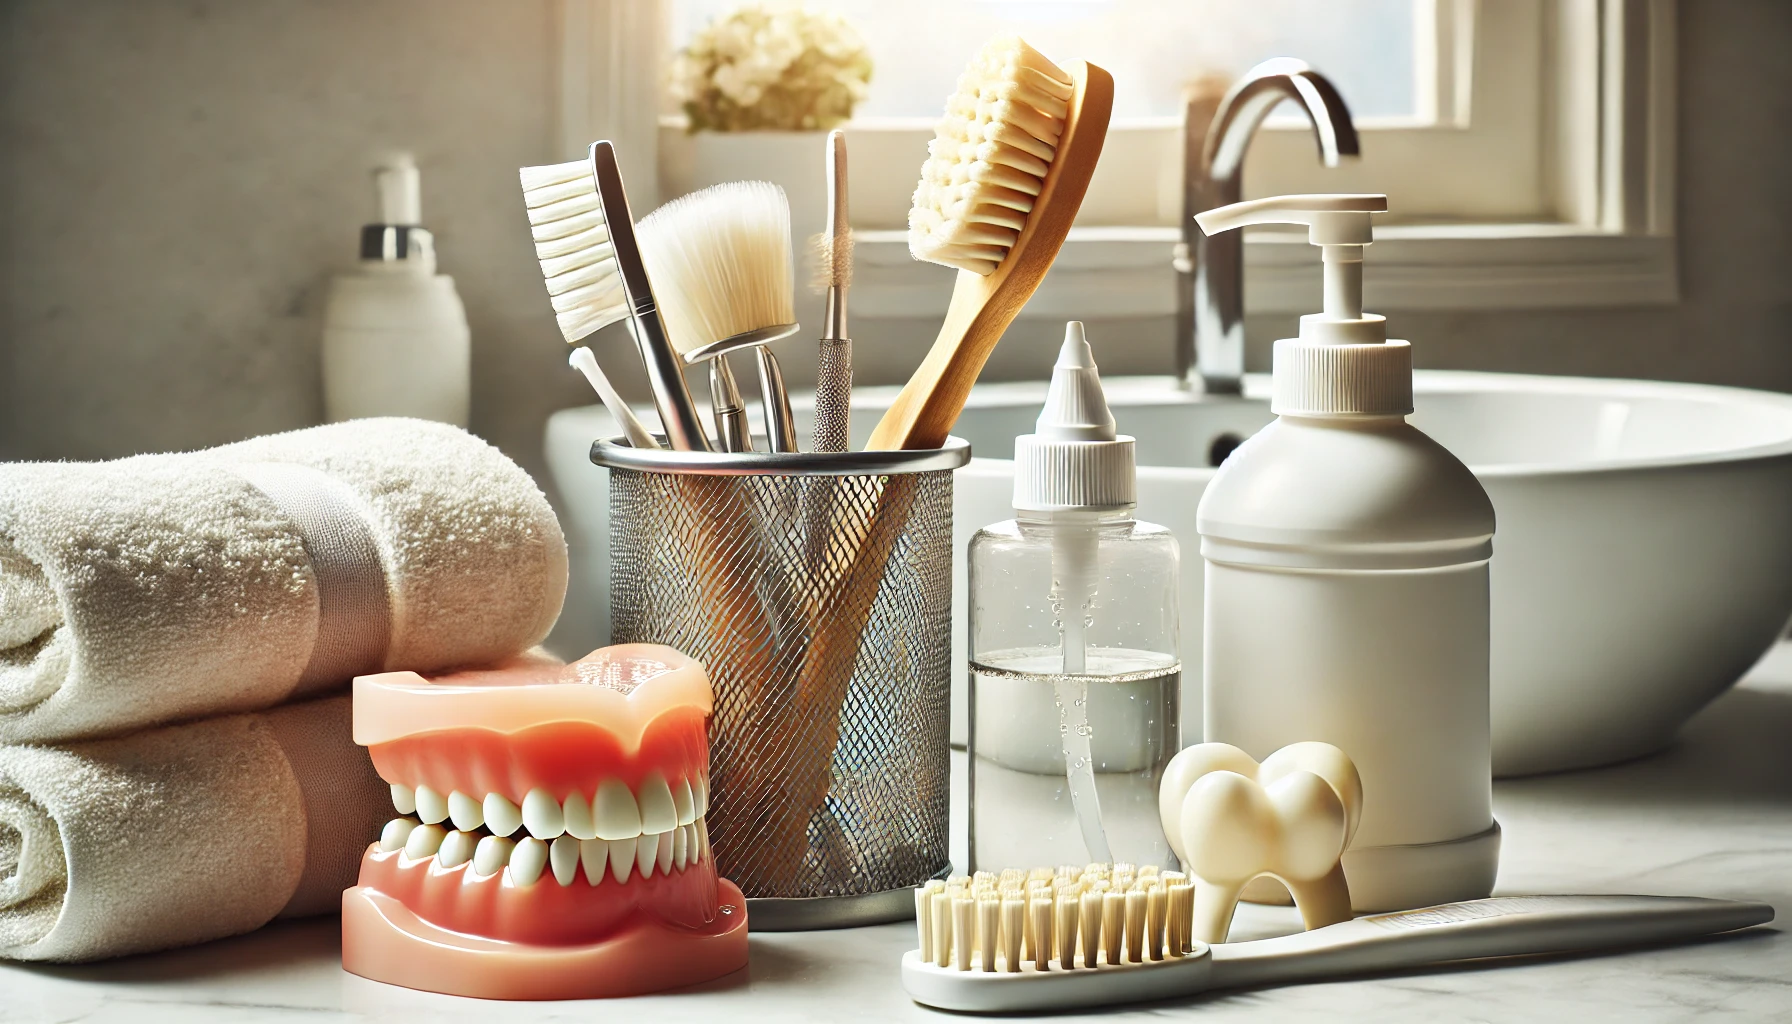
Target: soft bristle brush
x=584, y=361
x=1004, y=177
x=1106, y=935
x=723, y=262
x=585, y=240
x=833, y=275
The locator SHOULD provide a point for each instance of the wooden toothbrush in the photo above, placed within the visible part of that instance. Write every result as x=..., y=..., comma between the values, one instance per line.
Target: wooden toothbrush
x=1002, y=183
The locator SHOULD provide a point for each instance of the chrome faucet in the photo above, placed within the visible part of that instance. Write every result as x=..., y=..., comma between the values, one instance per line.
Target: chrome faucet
x=1210, y=271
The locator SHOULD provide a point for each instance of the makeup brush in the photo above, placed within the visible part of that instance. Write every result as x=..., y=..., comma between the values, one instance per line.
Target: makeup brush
x=722, y=259
x=833, y=274
x=1004, y=177
x=585, y=240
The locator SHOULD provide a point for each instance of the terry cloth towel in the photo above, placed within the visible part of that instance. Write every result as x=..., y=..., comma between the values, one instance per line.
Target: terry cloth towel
x=164, y=588
x=182, y=834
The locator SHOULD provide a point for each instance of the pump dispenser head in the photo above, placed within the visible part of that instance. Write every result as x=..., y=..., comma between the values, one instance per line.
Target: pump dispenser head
x=1343, y=363
x=398, y=238
x=1074, y=460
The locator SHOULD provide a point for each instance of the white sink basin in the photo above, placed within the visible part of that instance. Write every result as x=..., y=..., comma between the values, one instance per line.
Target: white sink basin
x=1643, y=559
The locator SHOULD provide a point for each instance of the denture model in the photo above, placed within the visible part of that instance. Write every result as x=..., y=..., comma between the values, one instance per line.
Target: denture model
x=1231, y=820
x=552, y=844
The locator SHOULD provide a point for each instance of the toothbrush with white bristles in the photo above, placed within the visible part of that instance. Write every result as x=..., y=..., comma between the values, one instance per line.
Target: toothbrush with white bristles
x=1111, y=934
x=585, y=362
x=585, y=240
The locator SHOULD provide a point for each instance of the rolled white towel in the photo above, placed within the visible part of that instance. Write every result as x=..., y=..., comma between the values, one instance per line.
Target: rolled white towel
x=163, y=588
x=182, y=834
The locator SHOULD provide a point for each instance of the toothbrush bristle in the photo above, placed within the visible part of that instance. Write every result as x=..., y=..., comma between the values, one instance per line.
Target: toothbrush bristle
x=721, y=262
x=1070, y=918
x=989, y=157
x=572, y=244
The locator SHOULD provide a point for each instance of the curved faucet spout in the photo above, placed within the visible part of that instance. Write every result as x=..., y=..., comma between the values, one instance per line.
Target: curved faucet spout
x=1210, y=336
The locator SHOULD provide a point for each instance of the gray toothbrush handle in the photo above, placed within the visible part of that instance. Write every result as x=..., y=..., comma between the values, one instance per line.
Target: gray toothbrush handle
x=671, y=395
x=1503, y=926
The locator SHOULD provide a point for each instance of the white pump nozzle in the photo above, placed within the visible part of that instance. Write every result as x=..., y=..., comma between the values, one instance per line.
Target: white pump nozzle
x=397, y=190
x=1343, y=363
x=1340, y=226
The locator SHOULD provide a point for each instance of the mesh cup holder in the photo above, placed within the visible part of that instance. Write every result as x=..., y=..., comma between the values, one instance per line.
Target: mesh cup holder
x=817, y=590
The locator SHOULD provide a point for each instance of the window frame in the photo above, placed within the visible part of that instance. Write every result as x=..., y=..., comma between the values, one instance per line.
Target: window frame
x=1578, y=211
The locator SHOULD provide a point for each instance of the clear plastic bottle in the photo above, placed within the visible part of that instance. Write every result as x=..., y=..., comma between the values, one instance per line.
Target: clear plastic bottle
x=1074, y=673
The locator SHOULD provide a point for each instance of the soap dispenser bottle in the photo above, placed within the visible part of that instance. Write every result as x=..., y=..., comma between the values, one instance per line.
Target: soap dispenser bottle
x=395, y=334
x=1074, y=666
x=1346, y=585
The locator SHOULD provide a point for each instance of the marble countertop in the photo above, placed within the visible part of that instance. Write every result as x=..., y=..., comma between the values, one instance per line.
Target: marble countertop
x=1712, y=816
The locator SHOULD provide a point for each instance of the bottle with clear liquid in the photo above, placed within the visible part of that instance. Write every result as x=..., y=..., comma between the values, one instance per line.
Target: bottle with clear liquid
x=1074, y=672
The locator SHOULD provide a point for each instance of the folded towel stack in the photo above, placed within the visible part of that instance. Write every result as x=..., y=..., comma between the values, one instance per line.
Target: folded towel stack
x=167, y=588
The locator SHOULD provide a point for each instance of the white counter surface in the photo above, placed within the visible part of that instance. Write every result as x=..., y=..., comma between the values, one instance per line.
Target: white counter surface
x=1710, y=817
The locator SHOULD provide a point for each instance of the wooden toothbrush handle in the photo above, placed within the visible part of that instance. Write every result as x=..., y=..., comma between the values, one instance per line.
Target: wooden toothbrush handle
x=983, y=307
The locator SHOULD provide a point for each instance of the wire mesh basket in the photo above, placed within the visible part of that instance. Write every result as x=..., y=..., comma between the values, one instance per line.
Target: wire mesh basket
x=817, y=589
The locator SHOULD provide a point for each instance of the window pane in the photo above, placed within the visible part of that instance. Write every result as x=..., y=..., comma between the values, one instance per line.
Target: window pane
x=1152, y=47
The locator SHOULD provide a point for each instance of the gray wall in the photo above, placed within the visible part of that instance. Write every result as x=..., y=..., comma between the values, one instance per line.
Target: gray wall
x=179, y=179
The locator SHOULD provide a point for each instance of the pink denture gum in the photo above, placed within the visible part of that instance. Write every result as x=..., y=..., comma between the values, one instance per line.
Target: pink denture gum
x=552, y=842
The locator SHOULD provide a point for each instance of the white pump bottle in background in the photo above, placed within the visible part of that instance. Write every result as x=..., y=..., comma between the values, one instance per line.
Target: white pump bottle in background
x=1346, y=589
x=395, y=334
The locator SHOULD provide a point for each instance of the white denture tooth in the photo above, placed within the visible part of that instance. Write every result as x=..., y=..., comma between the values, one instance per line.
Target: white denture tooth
x=432, y=806
x=424, y=841
x=541, y=814
x=594, y=856
x=702, y=838
x=681, y=844
x=501, y=816
x=577, y=812
x=647, y=852
x=616, y=813
x=490, y=856
x=658, y=813
x=466, y=812
x=404, y=798
x=527, y=860
x=563, y=858
x=397, y=830
x=700, y=794
x=457, y=849
x=684, y=802
x=622, y=857
x=664, y=858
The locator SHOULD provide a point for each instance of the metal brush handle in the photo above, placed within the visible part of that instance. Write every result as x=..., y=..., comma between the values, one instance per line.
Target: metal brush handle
x=730, y=413
x=780, y=425
x=678, y=413
x=833, y=396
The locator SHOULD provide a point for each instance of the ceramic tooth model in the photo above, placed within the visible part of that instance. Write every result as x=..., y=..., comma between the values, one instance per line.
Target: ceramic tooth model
x=552, y=841
x=1232, y=820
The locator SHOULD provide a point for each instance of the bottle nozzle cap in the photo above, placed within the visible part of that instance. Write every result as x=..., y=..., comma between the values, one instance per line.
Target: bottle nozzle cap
x=1074, y=459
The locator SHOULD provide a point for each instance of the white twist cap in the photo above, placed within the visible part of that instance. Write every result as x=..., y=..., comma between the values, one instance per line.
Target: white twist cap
x=1342, y=364
x=1074, y=459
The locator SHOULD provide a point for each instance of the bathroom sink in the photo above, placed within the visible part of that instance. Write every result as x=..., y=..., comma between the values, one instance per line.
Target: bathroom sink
x=1643, y=559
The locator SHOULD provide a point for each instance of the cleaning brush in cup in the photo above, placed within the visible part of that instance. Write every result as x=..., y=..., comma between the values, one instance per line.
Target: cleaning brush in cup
x=1004, y=177
x=722, y=257
x=1053, y=939
x=833, y=272
x=585, y=240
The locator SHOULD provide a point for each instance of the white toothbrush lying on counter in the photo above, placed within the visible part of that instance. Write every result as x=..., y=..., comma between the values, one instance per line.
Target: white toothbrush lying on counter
x=959, y=968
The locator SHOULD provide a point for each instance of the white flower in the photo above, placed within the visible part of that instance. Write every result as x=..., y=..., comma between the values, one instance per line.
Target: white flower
x=761, y=67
